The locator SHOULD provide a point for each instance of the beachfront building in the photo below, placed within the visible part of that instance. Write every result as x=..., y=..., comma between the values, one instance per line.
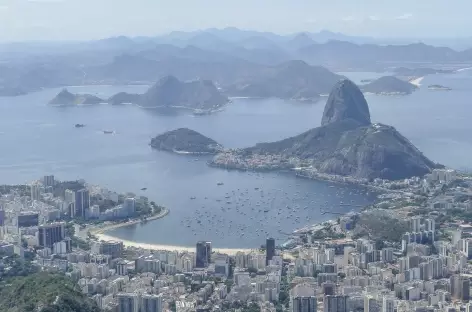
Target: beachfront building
x=112, y=248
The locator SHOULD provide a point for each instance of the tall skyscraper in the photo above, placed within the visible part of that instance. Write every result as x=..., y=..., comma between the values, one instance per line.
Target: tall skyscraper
x=415, y=224
x=459, y=286
x=430, y=225
x=388, y=304
x=48, y=234
x=36, y=190
x=370, y=304
x=151, y=303
x=387, y=254
x=2, y=216
x=335, y=303
x=270, y=249
x=304, y=304
x=82, y=203
x=129, y=205
x=48, y=180
x=128, y=302
x=203, y=254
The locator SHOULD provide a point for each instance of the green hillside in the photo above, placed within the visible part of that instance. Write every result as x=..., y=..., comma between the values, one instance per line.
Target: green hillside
x=44, y=292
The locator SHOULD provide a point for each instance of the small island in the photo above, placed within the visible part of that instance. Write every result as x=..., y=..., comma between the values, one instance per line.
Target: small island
x=437, y=87
x=67, y=98
x=389, y=85
x=185, y=141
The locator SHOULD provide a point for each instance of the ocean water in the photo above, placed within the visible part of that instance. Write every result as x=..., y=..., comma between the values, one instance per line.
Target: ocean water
x=38, y=139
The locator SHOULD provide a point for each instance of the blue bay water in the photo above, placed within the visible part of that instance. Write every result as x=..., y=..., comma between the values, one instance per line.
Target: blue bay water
x=38, y=139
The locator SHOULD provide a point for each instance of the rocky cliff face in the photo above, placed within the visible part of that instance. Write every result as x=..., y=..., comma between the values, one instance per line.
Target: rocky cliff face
x=346, y=101
x=346, y=144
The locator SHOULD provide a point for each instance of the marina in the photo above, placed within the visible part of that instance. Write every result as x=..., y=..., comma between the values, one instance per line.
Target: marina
x=232, y=216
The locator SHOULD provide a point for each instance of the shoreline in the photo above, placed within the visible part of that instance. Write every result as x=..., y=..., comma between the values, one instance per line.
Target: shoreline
x=417, y=81
x=100, y=233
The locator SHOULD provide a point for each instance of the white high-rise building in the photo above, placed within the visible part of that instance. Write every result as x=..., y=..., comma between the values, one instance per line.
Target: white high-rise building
x=129, y=205
x=36, y=190
x=388, y=304
x=370, y=304
x=430, y=225
x=415, y=224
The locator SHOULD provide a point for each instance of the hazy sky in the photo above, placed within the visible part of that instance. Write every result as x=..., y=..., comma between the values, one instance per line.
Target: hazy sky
x=92, y=19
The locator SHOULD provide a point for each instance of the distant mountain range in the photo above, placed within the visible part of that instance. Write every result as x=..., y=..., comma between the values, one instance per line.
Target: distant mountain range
x=241, y=61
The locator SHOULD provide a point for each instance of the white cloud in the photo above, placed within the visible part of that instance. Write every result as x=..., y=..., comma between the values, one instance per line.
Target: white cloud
x=404, y=16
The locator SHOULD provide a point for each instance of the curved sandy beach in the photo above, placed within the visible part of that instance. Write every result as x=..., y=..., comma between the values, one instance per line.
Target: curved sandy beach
x=417, y=81
x=100, y=233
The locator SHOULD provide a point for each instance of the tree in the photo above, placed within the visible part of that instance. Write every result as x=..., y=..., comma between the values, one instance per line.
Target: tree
x=172, y=306
x=379, y=244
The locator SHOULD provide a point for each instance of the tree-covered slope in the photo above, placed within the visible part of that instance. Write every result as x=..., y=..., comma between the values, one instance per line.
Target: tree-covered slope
x=44, y=292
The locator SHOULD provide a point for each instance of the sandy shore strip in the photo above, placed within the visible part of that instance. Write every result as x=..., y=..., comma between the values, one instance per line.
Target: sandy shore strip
x=416, y=81
x=128, y=243
x=100, y=233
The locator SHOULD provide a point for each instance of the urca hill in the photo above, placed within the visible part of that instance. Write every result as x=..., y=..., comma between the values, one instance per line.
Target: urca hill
x=346, y=144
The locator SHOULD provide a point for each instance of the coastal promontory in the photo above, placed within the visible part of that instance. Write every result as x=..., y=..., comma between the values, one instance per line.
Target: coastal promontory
x=67, y=98
x=185, y=141
x=124, y=98
x=347, y=144
x=389, y=85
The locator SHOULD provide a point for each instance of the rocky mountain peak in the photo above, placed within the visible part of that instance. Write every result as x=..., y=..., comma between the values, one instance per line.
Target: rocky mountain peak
x=346, y=101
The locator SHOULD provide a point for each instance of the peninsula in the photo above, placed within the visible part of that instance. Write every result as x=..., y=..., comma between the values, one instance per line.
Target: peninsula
x=185, y=141
x=347, y=144
x=437, y=87
x=67, y=98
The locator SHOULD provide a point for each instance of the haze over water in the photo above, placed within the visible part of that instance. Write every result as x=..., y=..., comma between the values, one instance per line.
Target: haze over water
x=46, y=142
